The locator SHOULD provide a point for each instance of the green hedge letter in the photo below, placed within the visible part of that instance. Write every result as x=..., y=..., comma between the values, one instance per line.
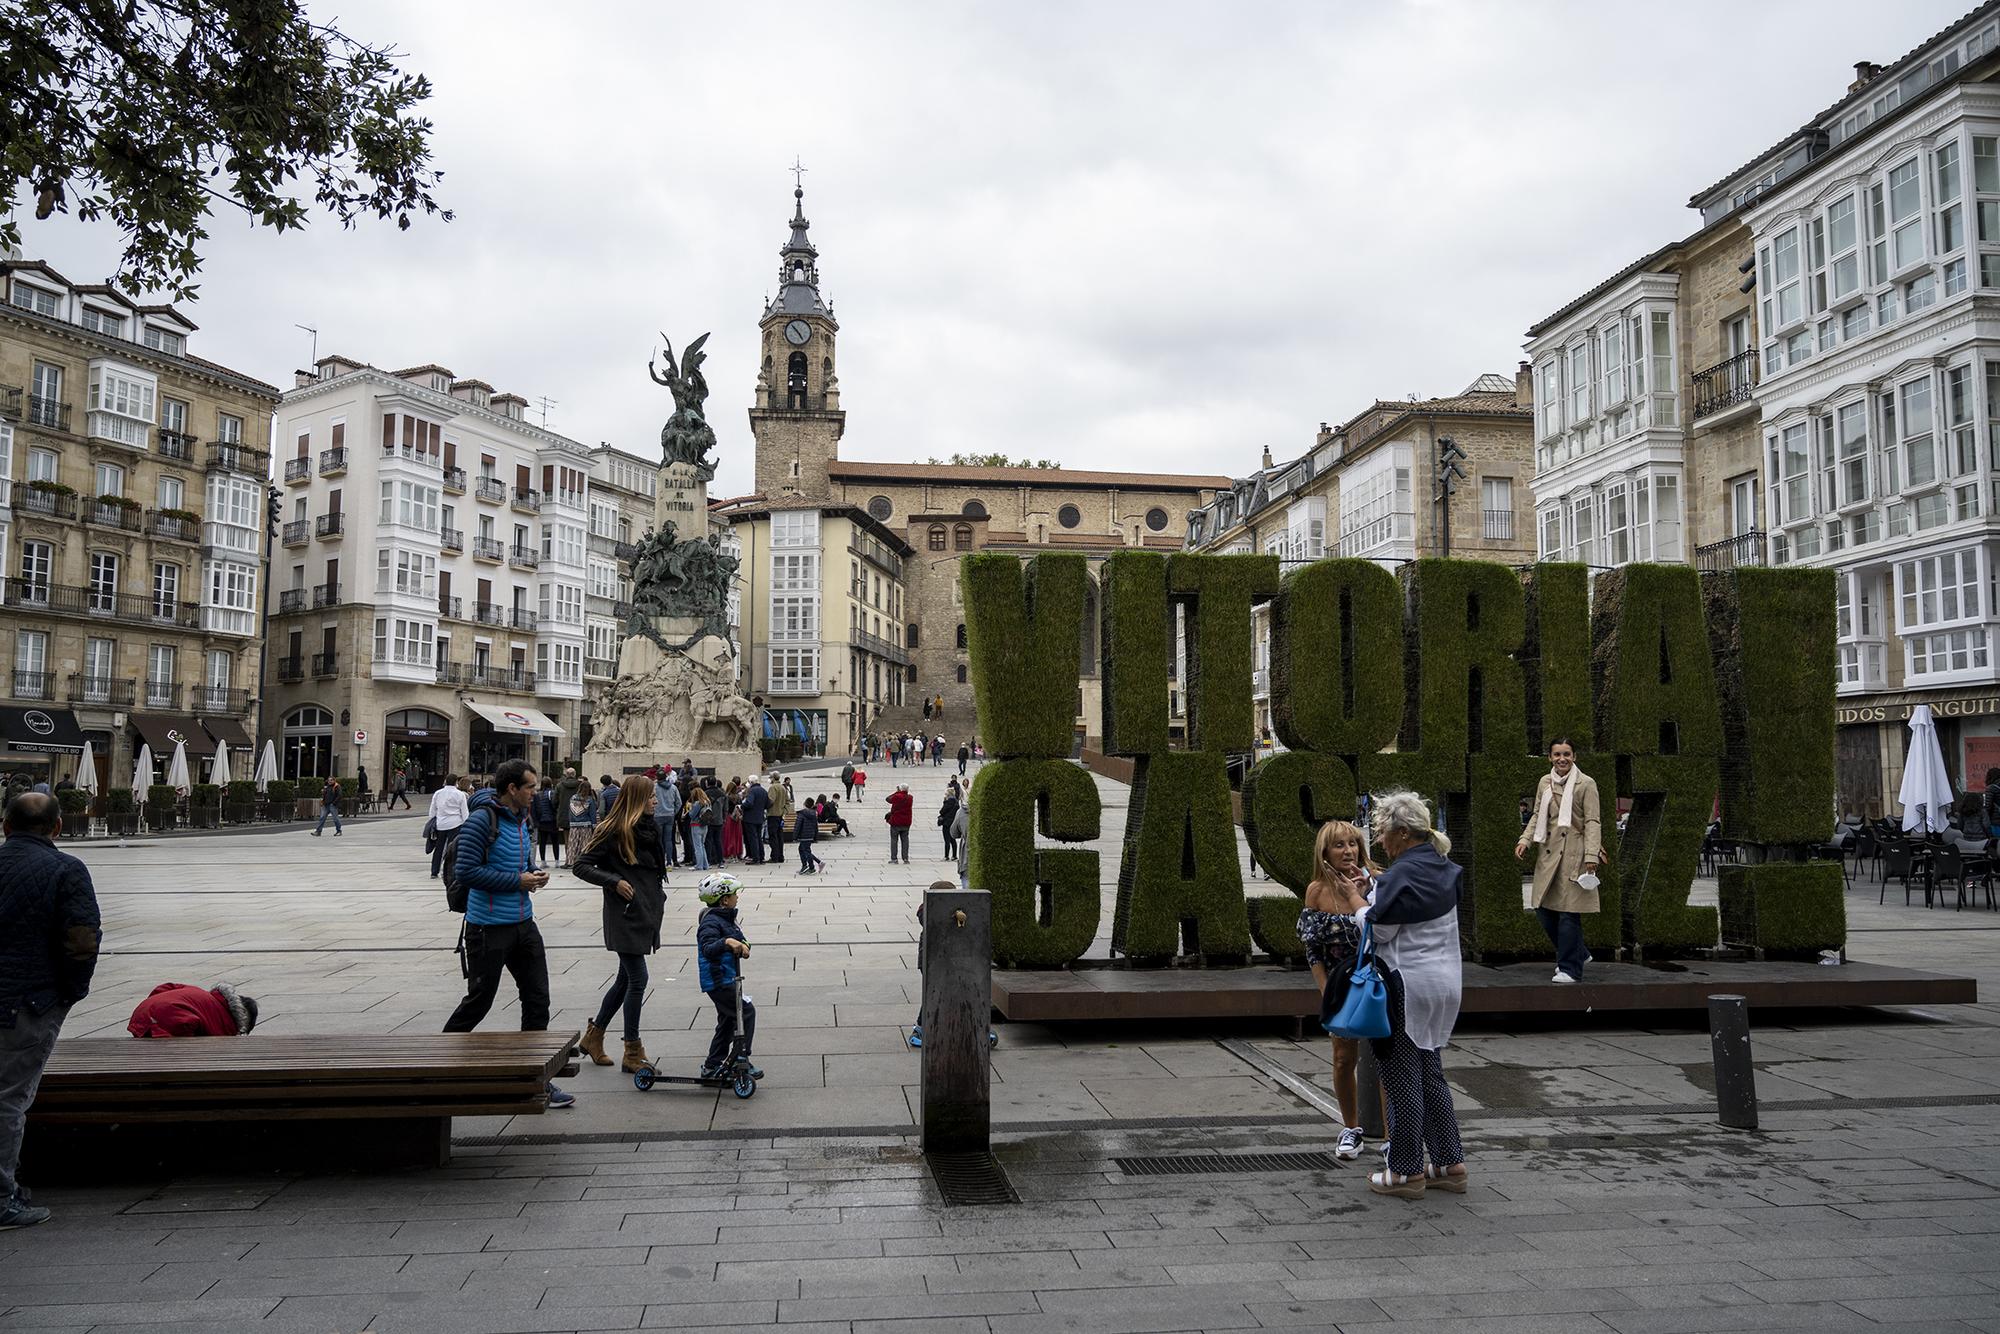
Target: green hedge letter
x=1180, y=880
x=1138, y=643
x=1222, y=590
x=1286, y=798
x=1337, y=658
x=1045, y=901
x=1022, y=628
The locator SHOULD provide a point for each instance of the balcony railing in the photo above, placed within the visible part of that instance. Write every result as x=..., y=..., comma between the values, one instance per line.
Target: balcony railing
x=333, y=462
x=326, y=664
x=491, y=490
x=1497, y=524
x=330, y=525
x=454, y=481
x=523, y=619
x=606, y=667
x=291, y=600
x=451, y=608
x=176, y=445
x=298, y=470
x=163, y=695
x=218, y=699
x=34, y=685
x=1725, y=384
x=291, y=669
x=496, y=677
x=326, y=595
x=52, y=413
x=175, y=527
x=67, y=600
x=882, y=648
x=486, y=548
x=296, y=533
x=451, y=539
x=1749, y=548
x=101, y=690
x=573, y=499
x=128, y=518
x=32, y=499
x=489, y=613
x=524, y=558
x=10, y=402
x=527, y=499
x=229, y=456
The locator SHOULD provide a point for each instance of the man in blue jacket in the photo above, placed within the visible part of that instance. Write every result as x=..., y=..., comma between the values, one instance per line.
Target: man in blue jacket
x=496, y=864
x=49, y=934
x=756, y=805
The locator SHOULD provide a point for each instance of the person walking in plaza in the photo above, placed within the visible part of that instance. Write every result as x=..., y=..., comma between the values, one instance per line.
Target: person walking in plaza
x=1331, y=933
x=847, y=779
x=565, y=789
x=329, y=805
x=961, y=828
x=623, y=857
x=720, y=948
x=697, y=820
x=361, y=782
x=448, y=812
x=937, y=708
x=667, y=811
x=399, y=790
x=547, y=844
x=50, y=932
x=582, y=809
x=776, y=816
x=900, y=816
x=496, y=864
x=947, y=814
x=964, y=756
x=1414, y=921
x=732, y=820
x=927, y=708
x=756, y=805
x=1566, y=828
x=805, y=833
x=712, y=817
x=860, y=784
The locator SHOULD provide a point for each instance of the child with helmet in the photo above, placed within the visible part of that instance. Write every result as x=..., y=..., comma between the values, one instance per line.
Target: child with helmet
x=720, y=945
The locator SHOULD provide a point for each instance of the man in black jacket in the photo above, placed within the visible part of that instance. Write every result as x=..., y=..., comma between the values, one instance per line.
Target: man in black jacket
x=49, y=934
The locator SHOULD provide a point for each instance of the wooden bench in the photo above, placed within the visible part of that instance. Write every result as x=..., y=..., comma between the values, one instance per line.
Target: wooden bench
x=282, y=1100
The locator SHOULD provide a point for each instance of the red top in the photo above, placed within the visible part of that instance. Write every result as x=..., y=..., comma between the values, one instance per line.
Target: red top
x=899, y=807
x=176, y=1010
x=861, y=778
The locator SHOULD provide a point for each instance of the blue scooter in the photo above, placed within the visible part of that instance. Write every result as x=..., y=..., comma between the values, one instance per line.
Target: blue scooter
x=738, y=1074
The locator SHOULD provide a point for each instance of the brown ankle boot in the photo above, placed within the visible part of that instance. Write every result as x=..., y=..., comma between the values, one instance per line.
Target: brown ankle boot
x=635, y=1056
x=593, y=1044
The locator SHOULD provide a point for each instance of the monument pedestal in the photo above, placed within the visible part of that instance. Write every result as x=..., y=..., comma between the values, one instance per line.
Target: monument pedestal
x=667, y=707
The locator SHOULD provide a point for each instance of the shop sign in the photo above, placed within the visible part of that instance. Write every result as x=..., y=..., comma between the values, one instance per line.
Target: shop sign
x=1965, y=706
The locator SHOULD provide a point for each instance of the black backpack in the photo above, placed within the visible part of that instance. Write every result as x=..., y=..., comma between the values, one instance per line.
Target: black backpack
x=455, y=894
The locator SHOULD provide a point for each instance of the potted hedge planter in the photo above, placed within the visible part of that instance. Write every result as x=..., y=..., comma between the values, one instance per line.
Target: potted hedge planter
x=162, y=807
x=121, y=816
x=280, y=800
x=75, y=803
x=239, y=803
x=204, y=806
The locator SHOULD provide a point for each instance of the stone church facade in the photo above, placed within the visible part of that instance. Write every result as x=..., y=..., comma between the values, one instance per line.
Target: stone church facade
x=906, y=526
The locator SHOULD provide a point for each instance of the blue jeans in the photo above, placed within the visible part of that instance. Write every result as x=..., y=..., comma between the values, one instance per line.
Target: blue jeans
x=328, y=808
x=1565, y=932
x=24, y=1051
x=700, y=846
x=806, y=857
x=629, y=990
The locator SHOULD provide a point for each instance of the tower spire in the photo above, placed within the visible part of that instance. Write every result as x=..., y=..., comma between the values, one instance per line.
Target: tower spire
x=798, y=261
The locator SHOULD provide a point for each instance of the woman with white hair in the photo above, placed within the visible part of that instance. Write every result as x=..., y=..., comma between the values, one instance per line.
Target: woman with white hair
x=1415, y=917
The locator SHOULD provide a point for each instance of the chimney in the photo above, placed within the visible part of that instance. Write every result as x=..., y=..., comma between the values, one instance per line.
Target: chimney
x=1865, y=73
x=1325, y=434
x=303, y=379
x=1524, y=386
x=1267, y=456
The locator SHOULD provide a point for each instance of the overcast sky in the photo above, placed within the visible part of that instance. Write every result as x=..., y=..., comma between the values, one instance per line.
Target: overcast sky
x=1133, y=235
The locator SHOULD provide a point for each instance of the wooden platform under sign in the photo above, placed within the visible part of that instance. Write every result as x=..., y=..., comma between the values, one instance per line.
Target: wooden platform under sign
x=1084, y=994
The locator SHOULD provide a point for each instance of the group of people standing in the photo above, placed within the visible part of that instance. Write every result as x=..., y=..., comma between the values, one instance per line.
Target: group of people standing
x=913, y=748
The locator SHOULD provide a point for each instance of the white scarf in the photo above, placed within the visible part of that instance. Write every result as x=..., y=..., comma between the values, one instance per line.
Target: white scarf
x=1568, y=787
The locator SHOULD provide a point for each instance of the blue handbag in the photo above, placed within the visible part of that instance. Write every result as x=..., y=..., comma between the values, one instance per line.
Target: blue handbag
x=1364, y=1010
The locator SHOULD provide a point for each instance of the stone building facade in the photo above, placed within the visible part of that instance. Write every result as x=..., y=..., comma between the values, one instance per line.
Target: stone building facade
x=132, y=535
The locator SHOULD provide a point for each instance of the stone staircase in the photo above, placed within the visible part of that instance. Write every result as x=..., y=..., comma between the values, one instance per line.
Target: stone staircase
x=960, y=723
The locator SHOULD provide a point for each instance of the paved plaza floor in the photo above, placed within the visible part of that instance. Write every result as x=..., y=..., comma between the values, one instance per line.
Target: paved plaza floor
x=1602, y=1198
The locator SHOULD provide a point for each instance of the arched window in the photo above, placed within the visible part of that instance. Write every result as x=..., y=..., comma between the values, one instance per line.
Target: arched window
x=961, y=635
x=419, y=720
x=913, y=635
x=973, y=510
x=1156, y=518
x=961, y=673
x=1069, y=516
x=937, y=537
x=795, y=381
x=308, y=743
x=961, y=537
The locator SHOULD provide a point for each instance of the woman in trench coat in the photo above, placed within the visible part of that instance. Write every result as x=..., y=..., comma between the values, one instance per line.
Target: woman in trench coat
x=625, y=859
x=1565, y=824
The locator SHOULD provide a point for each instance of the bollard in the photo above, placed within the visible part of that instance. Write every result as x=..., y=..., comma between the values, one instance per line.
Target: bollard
x=1368, y=1093
x=1735, y=1079
x=956, y=1061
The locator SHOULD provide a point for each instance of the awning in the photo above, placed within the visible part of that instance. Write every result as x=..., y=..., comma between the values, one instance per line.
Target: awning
x=162, y=730
x=516, y=718
x=52, y=731
x=227, y=732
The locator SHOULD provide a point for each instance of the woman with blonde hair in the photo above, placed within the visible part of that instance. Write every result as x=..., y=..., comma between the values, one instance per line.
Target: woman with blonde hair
x=1331, y=933
x=1415, y=928
x=625, y=858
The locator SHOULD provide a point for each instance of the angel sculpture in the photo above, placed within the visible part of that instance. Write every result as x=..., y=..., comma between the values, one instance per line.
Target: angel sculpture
x=687, y=436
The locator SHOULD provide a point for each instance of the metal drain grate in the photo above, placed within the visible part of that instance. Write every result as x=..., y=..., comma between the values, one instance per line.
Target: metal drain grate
x=1194, y=1164
x=971, y=1178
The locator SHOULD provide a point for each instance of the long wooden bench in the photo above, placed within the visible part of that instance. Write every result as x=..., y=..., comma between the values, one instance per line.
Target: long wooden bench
x=282, y=1100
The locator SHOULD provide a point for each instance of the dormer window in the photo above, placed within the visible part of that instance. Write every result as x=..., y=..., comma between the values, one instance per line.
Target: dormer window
x=480, y=397
x=175, y=344
x=102, y=321
x=441, y=383
x=29, y=297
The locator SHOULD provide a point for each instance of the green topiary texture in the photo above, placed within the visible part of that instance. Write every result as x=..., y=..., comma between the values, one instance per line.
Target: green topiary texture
x=1672, y=796
x=1337, y=658
x=1286, y=798
x=1179, y=882
x=1785, y=909
x=1555, y=658
x=1466, y=625
x=1022, y=628
x=1138, y=646
x=1655, y=685
x=1045, y=901
x=1222, y=589
x=1773, y=641
x=1493, y=925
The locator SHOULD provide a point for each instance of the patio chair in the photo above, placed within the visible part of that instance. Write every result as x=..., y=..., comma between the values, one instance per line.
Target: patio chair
x=1947, y=867
x=1898, y=863
x=1867, y=848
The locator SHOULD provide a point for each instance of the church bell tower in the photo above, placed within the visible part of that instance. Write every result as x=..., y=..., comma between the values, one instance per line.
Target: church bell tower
x=795, y=417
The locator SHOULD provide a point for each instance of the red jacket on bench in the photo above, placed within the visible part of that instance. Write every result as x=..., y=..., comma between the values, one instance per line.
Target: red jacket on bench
x=176, y=1010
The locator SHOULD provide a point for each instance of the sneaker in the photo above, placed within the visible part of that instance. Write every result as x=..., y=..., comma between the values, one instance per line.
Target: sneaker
x=1561, y=976
x=19, y=1213
x=1349, y=1147
x=709, y=1072
x=754, y=1072
x=557, y=1098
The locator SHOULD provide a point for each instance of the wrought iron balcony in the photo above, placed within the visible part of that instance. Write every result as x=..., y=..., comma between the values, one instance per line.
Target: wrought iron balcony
x=296, y=533
x=50, y=413
x=10, y=402
x=491, y=490
x=523, y=619
x=298, y=471
x=101, y=690
x=451, y=539
x=218, y=699
x=291, y=670
x=175, y=445
x=495, y=676
x=524, y=558
x=34, y=685
x=528, y=500
x=487, y=548
x=32, y=499
x=330, y=525
x=97, y=604
x=231, y=456
x=1497, y=524
x=454, y=481
x=163, y=695
x=451, y=608
x=291, y=600
x=174, y=527
x=1751, y=548
x=128, y=518
x=333, y=462
x=489, y=613
x=1725, y=384
x=450, y=673
x=326, y=664
x=326, y=595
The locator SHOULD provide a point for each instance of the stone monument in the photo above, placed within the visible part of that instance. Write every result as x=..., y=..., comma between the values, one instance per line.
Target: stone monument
x=675, y=695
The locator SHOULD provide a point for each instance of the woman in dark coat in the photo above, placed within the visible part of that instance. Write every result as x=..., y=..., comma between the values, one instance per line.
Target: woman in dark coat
x=624, y=858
